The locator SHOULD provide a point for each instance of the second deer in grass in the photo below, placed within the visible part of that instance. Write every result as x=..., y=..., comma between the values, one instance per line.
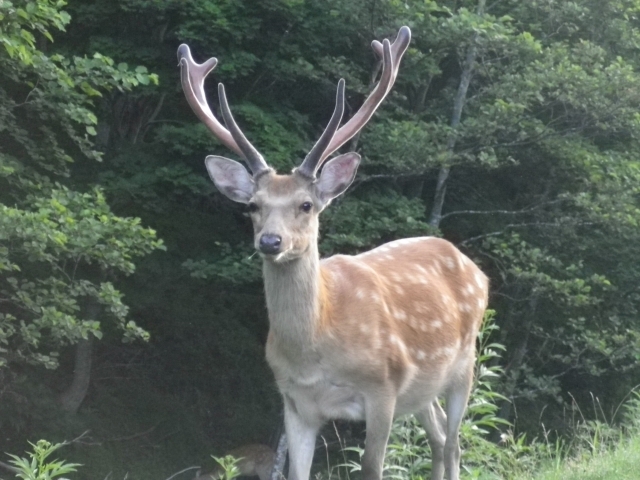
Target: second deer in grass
x=253, y=460
x=365, y=337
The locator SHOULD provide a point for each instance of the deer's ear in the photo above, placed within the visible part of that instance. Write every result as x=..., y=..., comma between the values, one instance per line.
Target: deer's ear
x=336, y=176
x=230, y=177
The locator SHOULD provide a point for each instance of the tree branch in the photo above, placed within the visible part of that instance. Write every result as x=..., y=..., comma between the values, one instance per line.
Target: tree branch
x=518, y=225
x=182, y=471
x=501, y=212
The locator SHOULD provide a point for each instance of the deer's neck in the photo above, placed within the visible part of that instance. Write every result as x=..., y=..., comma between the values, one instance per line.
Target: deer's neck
x=293, y=299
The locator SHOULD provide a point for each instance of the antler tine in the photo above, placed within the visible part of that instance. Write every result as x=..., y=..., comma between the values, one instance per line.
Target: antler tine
x=254, y=159
x=398, y=47
x=391, y=54
x=192, y=76
x=311, y=162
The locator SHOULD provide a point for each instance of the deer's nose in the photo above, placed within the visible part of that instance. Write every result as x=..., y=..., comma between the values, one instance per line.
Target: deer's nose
x=270, y=243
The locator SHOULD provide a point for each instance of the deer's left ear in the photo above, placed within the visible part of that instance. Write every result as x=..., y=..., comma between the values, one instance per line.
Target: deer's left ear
x=336, y=176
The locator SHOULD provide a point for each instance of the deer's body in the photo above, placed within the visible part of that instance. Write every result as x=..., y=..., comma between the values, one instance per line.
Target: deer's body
x=397, y=323
x=404, y=315
x=364, y=337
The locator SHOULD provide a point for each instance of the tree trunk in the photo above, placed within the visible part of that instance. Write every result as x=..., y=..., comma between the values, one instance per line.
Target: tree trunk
x=517, y=359
x=458, y=105
x=73, y=397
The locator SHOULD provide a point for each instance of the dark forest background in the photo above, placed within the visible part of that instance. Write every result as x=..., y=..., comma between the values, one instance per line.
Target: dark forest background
x=130, y=302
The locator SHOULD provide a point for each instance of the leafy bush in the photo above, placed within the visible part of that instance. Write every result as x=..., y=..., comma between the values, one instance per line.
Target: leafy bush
x=38, y=467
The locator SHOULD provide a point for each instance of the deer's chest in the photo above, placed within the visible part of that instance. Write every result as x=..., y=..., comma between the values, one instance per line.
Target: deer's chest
x=314, y=390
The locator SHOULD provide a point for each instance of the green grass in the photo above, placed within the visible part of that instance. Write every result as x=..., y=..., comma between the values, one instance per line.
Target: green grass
x=620, y=463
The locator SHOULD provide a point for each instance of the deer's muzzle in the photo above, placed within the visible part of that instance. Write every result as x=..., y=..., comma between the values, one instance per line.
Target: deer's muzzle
x=270, y=243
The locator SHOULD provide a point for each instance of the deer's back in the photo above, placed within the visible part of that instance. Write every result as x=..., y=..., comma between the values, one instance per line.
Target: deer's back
x=422, y=290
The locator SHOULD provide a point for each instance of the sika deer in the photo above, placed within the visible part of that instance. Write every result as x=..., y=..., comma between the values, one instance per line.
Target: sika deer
x=363, y=337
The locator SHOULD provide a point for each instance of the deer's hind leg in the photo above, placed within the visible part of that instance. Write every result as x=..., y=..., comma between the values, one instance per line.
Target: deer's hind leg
x=434, y=421
x=457, y=398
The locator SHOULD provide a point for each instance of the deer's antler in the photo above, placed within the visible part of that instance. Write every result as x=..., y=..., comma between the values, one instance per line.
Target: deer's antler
x=309, y=165
x=391, y=55
x=192, y=76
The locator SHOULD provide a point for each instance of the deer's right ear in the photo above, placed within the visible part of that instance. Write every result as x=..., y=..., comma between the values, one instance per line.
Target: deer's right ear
x=231, y=178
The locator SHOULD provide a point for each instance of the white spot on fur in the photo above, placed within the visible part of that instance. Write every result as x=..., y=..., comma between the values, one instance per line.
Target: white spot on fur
x=437, y=324
x=423, y=326
x=448, y=352
x=421, y=355
x=360, y=294
x=400, y=315
x=479, y=279
x=421, y=269
x=364, y=328
x=465, y=307
x=449, y=262
x=399, y=290
x=396, y=341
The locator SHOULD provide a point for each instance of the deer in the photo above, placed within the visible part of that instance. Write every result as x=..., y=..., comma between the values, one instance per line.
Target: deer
x=254, y=460
x=366, y=337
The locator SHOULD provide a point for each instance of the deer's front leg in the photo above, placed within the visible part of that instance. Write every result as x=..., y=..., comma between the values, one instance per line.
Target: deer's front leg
x=379, y=417
x=301, y=437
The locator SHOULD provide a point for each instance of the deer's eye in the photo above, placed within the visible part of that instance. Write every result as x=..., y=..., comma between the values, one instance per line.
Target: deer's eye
x=252, y=207
x=306, y=207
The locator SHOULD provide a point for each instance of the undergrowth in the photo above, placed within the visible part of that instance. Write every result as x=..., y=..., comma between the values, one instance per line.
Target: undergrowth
x=408, y=456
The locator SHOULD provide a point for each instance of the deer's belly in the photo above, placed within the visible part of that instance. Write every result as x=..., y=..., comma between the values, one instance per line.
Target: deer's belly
x=323, y=399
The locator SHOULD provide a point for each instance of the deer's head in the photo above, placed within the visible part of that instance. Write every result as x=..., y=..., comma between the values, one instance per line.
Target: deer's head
x=285, y=208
